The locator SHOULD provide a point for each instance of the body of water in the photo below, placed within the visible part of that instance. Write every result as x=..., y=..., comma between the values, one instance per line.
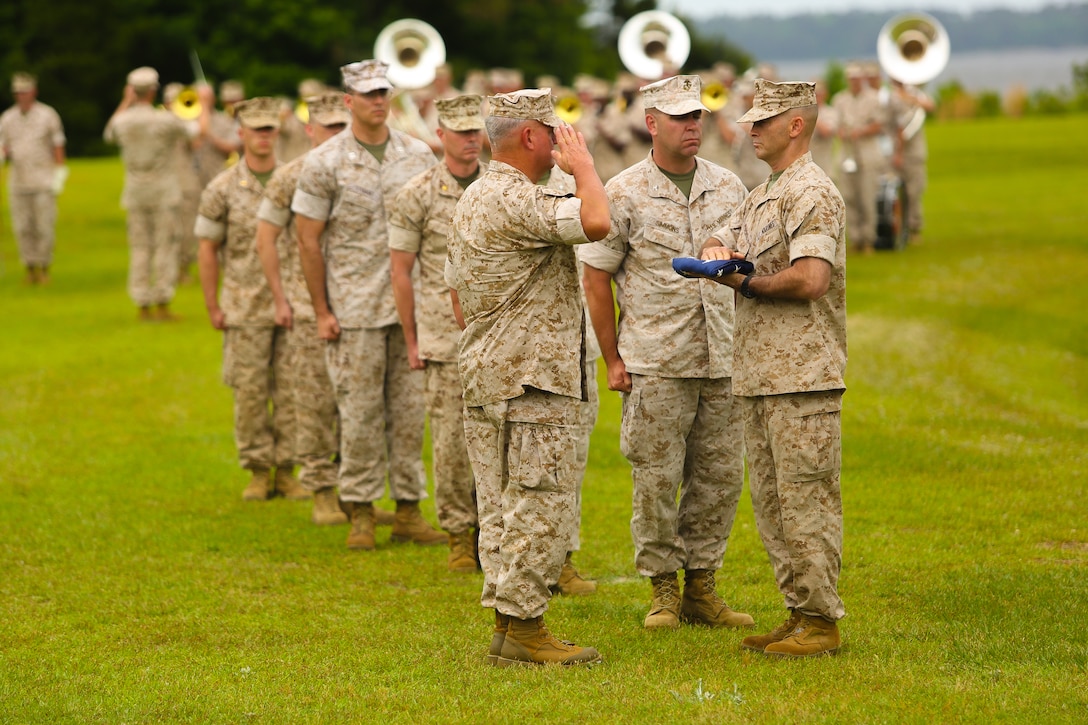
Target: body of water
x=1029, y=68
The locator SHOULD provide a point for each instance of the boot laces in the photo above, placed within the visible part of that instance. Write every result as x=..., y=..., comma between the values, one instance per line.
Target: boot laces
x=668, y=591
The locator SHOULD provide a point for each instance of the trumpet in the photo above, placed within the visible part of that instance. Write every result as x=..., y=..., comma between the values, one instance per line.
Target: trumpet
x=715, y=96
x=186, y=105
x=568, y=108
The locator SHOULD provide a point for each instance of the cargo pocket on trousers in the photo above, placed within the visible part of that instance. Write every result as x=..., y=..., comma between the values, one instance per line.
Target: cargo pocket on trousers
x=229, y=373
x=813, y=451
x=536, y=457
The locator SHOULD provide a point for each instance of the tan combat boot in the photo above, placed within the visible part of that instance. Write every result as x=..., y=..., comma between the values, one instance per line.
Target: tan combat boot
x=289, y=487
x=759, y=642
x=383, y=517
x=462, y=558
x=571, y=582
x=812, y=636
x=326, y=509
x=259, y=486
x=361, y=516
x=409, y=525
x=702, y=605
x=163, y=313
x=502, y=623
x=528, y=642
x=665, y=609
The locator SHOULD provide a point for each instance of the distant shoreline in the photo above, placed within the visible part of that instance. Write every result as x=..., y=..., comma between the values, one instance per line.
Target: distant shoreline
x=1032, y=69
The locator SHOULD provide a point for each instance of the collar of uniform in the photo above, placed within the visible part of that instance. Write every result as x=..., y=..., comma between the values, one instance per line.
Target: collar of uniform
x=663, y=187
x=501, y=167
x=788, y=173
x=246, y=178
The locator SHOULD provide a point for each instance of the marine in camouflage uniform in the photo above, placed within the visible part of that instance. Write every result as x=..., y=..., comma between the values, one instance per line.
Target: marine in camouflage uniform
x=911, y=104
x=672, y=358
x=571, y=581
x=254, y=347
x=522, y=360
x=789, y=359
x=418, y=222
x=188, y=179
x=345, y=188
x=32, y=139
x=316, y=439
x=151, y=197
x=862, y=121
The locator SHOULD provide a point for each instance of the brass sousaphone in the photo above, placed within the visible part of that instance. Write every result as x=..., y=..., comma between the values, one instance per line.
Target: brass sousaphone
x=413, y=49
x=913, y=48
x=651, y=41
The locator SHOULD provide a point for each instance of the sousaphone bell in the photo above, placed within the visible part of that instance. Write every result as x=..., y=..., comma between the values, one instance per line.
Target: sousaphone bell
x=913, y=48
x=413, y=49
x=652, y=39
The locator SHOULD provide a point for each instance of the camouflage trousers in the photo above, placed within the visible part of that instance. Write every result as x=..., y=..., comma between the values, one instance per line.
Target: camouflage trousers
x=587, y=420
x=683, y=437
x=913, y=175
x=524, y=455
x=33, y=221
x=382, y=415
x=187, y=239
x=859, y=192
x=153, y=255
x=316, y=434
x=454, y=485
x=255, y=366
x=794, y=449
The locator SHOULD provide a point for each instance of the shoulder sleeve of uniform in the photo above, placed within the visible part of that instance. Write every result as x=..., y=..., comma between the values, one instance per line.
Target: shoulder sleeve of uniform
x=273, y=213
x=813, y=223
x=601, y=255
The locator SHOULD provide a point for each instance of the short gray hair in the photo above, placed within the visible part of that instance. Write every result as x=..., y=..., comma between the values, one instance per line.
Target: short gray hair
x=500, y=128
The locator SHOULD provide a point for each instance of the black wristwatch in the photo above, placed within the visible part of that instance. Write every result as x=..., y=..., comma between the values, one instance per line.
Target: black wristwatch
x=744, y=291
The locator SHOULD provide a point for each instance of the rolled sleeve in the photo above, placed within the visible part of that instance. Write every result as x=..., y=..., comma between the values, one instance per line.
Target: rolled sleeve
x=601, y=256
x=308, y=205
x=405, y=240
x=568, y=220
x=206, y=228
x=813, y=245
x=269, y=212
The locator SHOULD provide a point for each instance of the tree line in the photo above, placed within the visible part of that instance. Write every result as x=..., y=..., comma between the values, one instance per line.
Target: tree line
x=81, y=52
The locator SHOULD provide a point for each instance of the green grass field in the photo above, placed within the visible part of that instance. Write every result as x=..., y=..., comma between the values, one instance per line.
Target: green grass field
x=138, y=587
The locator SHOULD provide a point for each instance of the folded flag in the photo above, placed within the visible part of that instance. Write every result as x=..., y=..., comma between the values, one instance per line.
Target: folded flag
x=710, y=268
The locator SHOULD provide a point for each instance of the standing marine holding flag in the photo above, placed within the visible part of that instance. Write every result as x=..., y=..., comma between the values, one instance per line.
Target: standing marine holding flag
x=789, y=358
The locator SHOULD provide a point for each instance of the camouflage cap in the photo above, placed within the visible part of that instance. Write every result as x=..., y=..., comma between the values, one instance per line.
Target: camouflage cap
x=774, y=98
x=854, y=69
x=529, y=104
x=310, y=87
x=259, y=112
x=461, y=113
x=328, y=109
x=232, y=92
x=170, y=92
x=365, y=76
x=675, y=96
x=144, y=78
x=23, y=83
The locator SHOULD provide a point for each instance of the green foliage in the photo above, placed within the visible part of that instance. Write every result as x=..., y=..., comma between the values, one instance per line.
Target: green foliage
x=989, y=104
x=138, y=587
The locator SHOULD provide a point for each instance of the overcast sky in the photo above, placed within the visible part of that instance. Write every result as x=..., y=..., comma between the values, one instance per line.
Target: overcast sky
x=711, y=8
